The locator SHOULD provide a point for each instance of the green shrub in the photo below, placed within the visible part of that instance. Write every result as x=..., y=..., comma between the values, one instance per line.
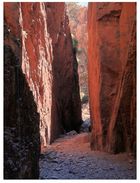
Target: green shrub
x=74, y=43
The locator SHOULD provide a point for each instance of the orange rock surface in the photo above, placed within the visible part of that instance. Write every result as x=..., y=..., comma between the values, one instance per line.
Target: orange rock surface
x=111, y=67
x=49, y=64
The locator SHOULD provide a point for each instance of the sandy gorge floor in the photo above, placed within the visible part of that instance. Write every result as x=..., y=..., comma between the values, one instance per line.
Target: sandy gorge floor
x=70, y=157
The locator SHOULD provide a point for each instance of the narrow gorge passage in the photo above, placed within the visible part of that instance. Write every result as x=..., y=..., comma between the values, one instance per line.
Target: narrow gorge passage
x=69, y=90
x=70, y=157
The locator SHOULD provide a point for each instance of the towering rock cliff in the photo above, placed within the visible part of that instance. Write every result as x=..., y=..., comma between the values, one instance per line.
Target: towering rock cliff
x=21, y=120
x=49, y=65
x=66, y=105
x=40, y=76
x=112, y=77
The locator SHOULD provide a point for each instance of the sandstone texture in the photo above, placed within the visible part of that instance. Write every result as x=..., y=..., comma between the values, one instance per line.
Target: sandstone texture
x=49, y=65
x=21, y=120
x=112, y=75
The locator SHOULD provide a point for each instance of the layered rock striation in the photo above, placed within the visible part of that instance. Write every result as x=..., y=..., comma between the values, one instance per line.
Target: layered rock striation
x=112, y=75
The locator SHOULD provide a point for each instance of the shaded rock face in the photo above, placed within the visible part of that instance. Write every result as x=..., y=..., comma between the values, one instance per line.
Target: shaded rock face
x=21, y=120
x=112, y=77
x=66, y=105
x=50, y=66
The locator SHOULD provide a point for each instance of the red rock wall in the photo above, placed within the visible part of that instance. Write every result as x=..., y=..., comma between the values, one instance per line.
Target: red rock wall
x=111, y=67
x=66, y=105
x=48, y=62
x=21, y=120
x=37, y=59
x=40, y=65
x=50, y=66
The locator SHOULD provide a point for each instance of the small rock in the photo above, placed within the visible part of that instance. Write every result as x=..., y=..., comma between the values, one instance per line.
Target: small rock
x=111, y=168
x=42, y=156
x=105, y=168
x=83, y=176
x=53, y=154
x=72, y=172
x=57, y=169
x=54, y=177
x=85, y=126
x=51, y=160
x=96, y=171
x=73, y=132
x=54, y=161
x=81, y=157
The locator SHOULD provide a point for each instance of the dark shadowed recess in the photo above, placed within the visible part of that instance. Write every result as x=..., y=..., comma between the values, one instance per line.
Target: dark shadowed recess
x=21, y=120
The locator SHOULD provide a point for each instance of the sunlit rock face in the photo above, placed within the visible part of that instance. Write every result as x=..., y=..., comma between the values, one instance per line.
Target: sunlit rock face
x=112, y=80
x=21, y=120
x=49, y=65
x=37, y=57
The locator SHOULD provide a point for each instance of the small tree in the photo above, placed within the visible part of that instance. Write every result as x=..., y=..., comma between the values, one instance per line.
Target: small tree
x=75, y=44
